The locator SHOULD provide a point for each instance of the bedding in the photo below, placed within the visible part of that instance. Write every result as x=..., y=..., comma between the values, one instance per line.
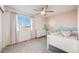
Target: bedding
x=66, y=31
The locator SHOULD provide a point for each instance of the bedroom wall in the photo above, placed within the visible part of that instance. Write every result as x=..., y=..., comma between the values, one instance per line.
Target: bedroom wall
x=39, y=26
x=64, y=19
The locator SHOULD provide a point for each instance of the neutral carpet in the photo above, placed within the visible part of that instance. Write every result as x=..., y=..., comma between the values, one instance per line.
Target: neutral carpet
x=30, y=46
x=38, y=45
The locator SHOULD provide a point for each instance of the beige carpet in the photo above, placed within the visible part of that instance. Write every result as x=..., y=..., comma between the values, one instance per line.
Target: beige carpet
x=30, y=46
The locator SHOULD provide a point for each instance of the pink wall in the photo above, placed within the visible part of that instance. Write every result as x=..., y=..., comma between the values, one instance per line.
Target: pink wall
x=65, y=19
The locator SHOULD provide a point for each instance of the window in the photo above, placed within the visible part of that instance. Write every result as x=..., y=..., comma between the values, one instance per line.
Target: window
x=22, y=22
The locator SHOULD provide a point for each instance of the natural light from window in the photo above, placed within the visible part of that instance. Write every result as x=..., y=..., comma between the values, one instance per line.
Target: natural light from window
x=22, y=22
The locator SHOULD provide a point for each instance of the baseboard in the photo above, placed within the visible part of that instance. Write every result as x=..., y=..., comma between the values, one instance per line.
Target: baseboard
x=41, y=36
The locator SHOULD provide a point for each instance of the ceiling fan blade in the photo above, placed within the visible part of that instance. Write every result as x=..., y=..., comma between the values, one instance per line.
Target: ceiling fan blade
x=49, y=11
x=36, y=10
x=36, y=14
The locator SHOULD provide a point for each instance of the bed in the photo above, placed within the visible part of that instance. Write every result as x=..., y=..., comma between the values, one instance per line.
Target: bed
x=64, y=41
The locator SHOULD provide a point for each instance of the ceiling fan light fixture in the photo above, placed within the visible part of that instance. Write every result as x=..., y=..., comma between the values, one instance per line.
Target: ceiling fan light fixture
x=43, y=12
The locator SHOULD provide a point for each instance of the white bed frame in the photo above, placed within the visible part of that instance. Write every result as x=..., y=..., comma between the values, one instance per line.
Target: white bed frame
x=67, y=44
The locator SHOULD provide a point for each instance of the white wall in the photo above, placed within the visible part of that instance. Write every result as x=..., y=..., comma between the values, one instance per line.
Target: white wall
x=39, y=26
x=0, y=30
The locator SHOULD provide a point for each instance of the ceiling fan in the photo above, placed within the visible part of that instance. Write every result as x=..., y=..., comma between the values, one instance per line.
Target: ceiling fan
x=43, y=11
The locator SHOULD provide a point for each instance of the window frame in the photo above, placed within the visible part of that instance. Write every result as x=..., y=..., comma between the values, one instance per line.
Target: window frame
x=20, y=27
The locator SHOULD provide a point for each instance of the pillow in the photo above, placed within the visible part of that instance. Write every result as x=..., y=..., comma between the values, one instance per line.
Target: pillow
x=66, y=33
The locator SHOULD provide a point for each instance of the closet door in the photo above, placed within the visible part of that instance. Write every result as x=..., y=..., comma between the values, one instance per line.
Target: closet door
x=0, y=30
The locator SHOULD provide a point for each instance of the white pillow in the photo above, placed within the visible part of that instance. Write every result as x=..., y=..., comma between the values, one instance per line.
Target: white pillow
x=66, y=33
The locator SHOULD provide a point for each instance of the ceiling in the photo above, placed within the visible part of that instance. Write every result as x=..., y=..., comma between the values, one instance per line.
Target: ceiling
x=28, y=9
